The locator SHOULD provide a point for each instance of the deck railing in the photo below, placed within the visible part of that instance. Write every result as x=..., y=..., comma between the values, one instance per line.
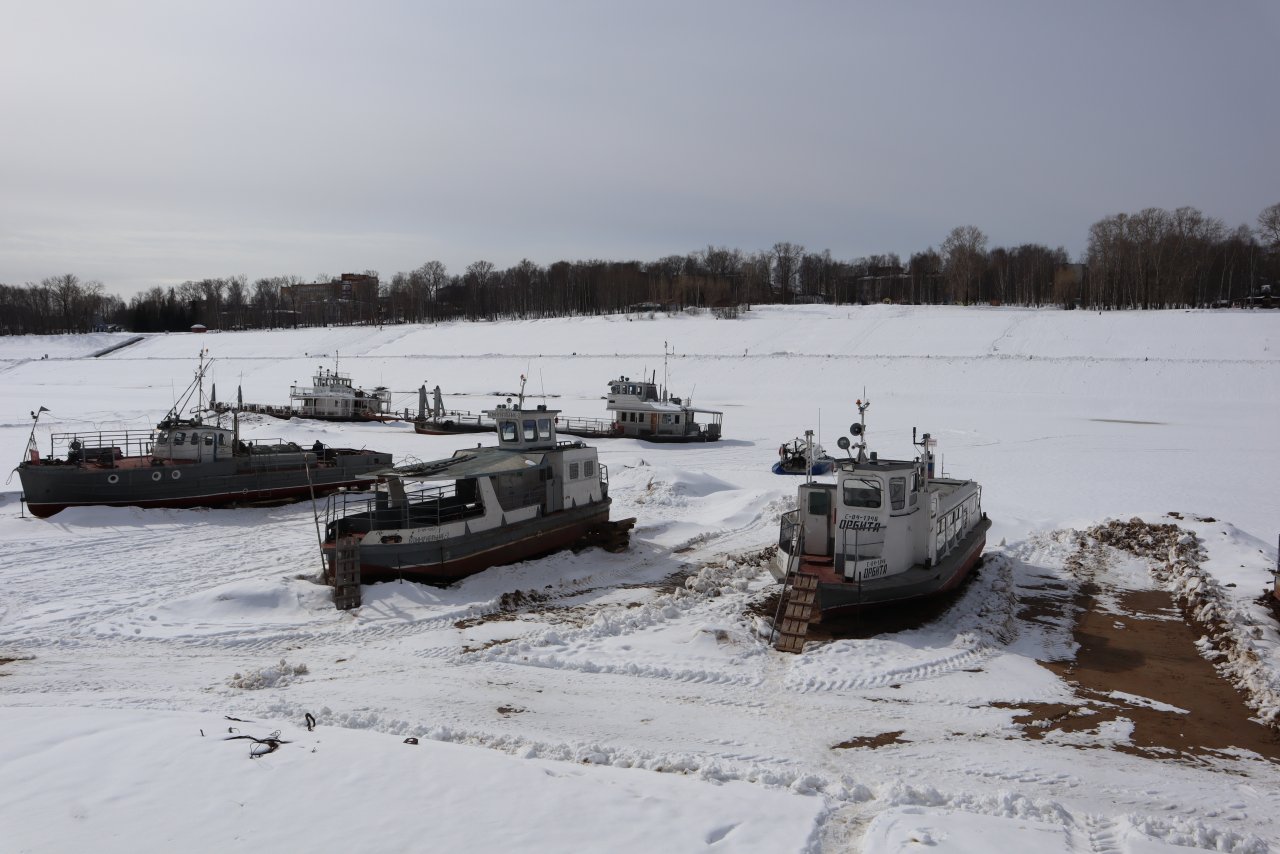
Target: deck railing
x=424, y=507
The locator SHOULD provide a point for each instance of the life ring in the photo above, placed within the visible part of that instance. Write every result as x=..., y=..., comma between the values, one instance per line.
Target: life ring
x=155, y=475
x=113, y=478
x=175, y=474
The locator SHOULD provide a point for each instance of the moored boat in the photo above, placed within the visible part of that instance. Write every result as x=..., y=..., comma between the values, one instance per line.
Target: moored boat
x=184, y=462
x=435, y=420
x=440, y=521
x=884, y=531
x=641, y=410
x=332, y=397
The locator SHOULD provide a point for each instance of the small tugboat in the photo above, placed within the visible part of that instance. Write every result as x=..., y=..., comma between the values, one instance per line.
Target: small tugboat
x=885, y=531
x=530, y=495
x=643, y=411
x=435, y=420
x=332, y=397
x=184, y=462
x=803, y=456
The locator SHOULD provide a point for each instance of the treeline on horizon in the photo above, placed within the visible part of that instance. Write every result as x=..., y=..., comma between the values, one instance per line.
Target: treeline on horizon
x=1152, y=259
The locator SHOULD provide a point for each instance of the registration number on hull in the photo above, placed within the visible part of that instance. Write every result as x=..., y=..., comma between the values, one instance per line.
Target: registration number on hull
x=866, y=570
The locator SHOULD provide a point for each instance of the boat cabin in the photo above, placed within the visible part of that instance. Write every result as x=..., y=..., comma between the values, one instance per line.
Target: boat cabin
x=192, y=441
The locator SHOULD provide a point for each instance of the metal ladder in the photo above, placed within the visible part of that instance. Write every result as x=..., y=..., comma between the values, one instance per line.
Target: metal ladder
x=345, y=573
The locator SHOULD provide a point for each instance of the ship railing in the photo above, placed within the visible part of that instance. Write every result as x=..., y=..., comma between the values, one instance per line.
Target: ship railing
x=460, y=417
x=104, y=447
x=424, y=507
x=596, y=426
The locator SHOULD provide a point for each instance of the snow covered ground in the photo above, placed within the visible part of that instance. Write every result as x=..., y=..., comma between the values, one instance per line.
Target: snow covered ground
x=627, y=702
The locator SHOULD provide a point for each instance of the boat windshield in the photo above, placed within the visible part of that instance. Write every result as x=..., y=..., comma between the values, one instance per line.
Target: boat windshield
x=507, y=431
x=862, y=492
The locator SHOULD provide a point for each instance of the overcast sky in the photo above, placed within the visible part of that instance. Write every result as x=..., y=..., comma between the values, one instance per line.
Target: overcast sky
x=150, y=143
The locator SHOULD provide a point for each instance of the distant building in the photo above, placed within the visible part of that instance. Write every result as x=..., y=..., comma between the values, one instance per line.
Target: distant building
x=199, y=327
x=352, y=298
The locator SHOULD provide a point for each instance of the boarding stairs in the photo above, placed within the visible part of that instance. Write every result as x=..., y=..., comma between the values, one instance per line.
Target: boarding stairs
x=344, y=573
x=796, y=602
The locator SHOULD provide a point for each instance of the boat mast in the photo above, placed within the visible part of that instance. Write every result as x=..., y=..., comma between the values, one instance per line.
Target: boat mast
x=860, y=430
x=808, y=456
x=664, y=372
x=174, y=415
x=31, y=440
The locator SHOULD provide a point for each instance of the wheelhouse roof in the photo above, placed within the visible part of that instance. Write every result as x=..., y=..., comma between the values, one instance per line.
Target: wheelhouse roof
x=474, y=462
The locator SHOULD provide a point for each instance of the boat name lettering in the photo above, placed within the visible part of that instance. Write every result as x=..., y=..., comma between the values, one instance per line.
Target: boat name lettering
x=860, y=523
x=874, y=568
x=425, y=536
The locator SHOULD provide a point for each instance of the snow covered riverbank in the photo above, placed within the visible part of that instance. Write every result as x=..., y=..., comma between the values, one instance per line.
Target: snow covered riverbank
x=630, y=697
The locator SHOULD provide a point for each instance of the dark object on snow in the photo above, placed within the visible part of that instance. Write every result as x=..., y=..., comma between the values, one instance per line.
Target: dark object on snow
x=411, y=740
x=261, y=746
x=311, y=722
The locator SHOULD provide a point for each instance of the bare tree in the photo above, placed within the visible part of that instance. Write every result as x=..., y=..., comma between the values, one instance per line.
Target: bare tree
x=786, y=269
x=964, y=255
x=1269, y=226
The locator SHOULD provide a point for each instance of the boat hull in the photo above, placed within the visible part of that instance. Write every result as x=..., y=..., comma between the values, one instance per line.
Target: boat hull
x=820, y=467
x=261, y=479
x=450, y=428
x=447, y=561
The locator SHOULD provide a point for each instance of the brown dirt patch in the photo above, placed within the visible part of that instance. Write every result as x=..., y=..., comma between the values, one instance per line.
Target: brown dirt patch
x=1145, y=653
x=873, y=741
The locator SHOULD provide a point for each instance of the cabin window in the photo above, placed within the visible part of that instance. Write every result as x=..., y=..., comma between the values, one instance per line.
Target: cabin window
x=819, y=502
x=573, y=471
x=862, y=492
x=508, y=431
x=666, y=418
x=615, y=389
x=544, y=428
x=179, y=438
x=589, y=468
x=897, y=493
x=677, y=419
x=208, y=440
x=222, y=438
x=530, y=430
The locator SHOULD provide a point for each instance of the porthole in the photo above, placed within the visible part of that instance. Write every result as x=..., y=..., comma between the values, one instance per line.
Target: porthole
x=113, y=478
x=175, y=474
x=155, y=475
